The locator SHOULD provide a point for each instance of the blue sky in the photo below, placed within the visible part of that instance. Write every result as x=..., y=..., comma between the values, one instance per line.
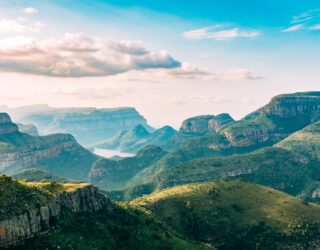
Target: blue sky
x=170, y=59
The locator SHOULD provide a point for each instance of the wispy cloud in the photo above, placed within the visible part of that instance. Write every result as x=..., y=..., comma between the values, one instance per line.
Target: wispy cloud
x=205, y=99
x=220, y=32
x=294, y=28
x=309, y=20
x=30, y=11
x=79, y=55
x=93, y=93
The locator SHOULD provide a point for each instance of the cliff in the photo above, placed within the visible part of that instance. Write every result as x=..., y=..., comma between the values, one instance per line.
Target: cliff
x=47, y=203
x=88, y=125
x=282, y=116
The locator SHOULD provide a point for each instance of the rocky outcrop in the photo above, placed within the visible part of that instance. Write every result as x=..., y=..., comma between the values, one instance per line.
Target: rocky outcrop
x=295, y=105
x=219, y=122
x=207, y=124
x=6, y=125
x=42, y=220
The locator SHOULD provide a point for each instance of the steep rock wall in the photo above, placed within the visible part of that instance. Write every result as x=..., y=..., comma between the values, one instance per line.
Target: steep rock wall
x=40, y=221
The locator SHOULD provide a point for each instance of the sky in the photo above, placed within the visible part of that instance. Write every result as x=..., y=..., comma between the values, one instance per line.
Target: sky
x=169, y=59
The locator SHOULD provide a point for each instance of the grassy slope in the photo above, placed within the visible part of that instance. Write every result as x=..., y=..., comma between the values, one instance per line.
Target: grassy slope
x=115, y=228
x=232, y=214
x=274, y=167
x=306, y=141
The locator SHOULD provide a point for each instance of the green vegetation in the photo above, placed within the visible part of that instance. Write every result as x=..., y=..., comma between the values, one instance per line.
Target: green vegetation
x=115, y=228
x=109, y=174
x=274, y=167
x=36, y=175
x=234, y=215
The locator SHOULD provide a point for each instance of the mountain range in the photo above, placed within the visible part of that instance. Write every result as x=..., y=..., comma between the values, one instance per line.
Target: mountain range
x=216, y=183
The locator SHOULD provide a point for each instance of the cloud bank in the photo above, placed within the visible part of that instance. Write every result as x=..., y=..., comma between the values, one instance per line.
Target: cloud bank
x=79, y=55
x=20, y=25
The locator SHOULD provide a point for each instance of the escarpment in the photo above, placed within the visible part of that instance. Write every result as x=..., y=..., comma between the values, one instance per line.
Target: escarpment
x=282, y=116
x=42, y=220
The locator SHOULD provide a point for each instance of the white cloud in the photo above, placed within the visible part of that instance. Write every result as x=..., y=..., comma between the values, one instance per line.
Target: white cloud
x=30, y=11
x=217, y=32
x=79, y=55
x=19, y=25
x=294, y=28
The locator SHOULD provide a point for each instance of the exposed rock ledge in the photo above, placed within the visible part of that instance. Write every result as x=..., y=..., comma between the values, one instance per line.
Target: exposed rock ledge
x=40, y=221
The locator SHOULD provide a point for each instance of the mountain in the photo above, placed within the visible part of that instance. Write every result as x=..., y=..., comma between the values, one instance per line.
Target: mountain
x=76, y=216
x=115, y=174
x=28, y=129
x=235, y=215
x=59, y=154
x=88, y=125
x=137, y=138
x=274, y=167
x=282, y=116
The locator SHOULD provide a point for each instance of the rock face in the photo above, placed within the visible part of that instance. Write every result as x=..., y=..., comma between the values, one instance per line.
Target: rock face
x=295, y=105
x=30, y=154
x=278, y=119
x=40, y=221
x=88, y=125
x=207, y=124
x=6, y=125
